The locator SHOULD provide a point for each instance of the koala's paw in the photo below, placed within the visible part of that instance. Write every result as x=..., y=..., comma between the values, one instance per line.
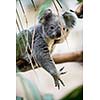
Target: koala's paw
x=57, y=79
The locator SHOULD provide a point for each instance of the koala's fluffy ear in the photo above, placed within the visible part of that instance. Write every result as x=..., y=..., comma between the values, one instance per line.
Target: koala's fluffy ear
x=46, y=16
x=69, y=19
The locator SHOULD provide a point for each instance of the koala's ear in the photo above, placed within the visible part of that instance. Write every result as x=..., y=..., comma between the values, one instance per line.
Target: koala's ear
x=47, y=13
x=46, y=16
x=69, y=19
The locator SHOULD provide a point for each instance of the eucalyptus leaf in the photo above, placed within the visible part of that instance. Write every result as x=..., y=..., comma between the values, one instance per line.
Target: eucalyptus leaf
x=80, y=1
x=76, y=94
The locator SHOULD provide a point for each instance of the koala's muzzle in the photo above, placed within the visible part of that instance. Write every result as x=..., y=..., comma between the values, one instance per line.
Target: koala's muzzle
x=58, y=33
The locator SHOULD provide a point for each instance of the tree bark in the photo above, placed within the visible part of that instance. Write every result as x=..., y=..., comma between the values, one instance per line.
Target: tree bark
x=68, y=57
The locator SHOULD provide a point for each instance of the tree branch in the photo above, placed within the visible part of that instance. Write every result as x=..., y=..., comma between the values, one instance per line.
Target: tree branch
x=68, y=57
x=77, y=56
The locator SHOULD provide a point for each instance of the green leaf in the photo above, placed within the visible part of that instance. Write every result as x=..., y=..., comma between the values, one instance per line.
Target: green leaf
x=76, y=94
x=80, y=1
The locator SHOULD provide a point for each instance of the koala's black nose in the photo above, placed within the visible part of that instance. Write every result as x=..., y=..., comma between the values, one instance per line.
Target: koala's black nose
x=58, y=34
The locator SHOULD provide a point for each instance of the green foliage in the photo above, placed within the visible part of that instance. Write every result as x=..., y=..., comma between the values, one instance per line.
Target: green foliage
x=19, y=98
x=76, y=94
x=20, y=44
x=23, y=41
x=80, y=1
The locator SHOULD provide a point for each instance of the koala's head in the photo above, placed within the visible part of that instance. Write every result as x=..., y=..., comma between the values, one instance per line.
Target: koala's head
x=51, y=25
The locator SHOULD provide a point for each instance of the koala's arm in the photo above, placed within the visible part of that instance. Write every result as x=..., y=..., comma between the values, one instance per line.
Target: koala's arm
x=43, y=58
x=42, y=55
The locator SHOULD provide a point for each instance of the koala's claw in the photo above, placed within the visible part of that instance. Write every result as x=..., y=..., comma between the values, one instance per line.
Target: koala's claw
x=61, y=71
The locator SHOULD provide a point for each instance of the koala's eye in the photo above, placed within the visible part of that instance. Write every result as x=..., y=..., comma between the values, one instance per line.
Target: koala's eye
x=52, y=27
x=64, y=29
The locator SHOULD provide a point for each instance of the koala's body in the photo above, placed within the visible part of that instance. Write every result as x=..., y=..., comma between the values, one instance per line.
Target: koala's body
x=47, y=34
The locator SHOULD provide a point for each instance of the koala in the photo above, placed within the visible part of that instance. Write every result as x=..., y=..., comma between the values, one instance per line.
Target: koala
x=47, y=34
